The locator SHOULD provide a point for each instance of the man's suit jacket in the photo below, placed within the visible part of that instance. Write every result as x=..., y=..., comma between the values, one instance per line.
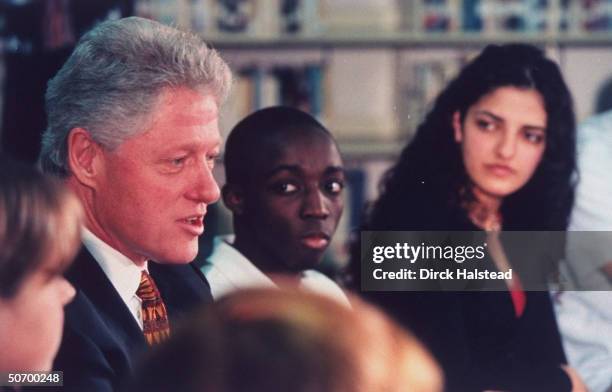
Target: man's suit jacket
x=102, y=340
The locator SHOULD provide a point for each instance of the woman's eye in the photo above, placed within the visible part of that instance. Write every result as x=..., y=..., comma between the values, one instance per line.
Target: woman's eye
x=334, y=187
x=485, y=125
x=535, y=137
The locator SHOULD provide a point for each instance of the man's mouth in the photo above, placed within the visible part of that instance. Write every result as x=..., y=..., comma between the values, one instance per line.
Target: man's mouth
x=195, y=220
x=316, y=241
x=193, y=224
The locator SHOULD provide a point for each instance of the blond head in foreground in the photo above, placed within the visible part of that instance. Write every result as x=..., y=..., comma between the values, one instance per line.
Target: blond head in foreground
x=285, y=340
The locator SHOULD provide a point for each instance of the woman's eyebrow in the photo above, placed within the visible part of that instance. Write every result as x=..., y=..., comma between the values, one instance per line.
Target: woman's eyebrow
x=487, y=113
x=500, y=119
x=534, y=127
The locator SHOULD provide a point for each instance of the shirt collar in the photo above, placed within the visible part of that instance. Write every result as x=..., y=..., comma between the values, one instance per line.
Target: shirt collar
x=240, y=273
x=235, y=266
x=120, y=270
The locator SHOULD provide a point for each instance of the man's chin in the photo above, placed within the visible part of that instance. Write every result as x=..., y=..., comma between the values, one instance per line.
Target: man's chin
x=178, y=258
x=175, y=261
x=306, y=263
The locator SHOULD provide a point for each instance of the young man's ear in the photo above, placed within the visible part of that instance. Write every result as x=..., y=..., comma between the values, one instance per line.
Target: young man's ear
x=84, y=157
x=457, y=127
x=233, y=197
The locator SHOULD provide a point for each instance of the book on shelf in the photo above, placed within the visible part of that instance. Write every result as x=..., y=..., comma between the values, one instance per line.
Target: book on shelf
x=202, y=15
x=421, y=77
x=502, y=16
x=594, y=15
x=170, y=12
x=272, y=18
x=360, y=95
x=261, y=18
x=359, y=15
x=257, y=87
x=439, y=15
x=239, y=103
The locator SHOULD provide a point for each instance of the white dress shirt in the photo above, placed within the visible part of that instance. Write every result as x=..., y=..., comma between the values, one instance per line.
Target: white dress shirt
x=227, y=270
x=585, y=317
x=123, y=273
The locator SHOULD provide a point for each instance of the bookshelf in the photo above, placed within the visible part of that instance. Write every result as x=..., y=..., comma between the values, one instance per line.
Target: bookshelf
x=259, y=37
x=401, y=39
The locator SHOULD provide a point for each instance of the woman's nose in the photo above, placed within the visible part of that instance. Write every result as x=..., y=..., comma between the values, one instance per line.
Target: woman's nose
x=506, y=145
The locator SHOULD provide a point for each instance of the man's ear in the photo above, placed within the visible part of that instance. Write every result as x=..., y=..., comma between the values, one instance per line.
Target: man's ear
x=84, y=157
x=457, y=127
x=233, y=197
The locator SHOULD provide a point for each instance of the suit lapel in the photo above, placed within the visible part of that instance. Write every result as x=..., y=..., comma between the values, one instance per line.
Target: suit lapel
x=182, y=287
x=87, y=276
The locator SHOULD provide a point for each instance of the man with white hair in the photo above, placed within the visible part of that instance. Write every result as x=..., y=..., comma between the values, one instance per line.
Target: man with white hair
x=132, y=128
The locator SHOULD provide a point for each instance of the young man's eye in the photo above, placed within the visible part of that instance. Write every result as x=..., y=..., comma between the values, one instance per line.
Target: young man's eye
x=334, y=187
x=285, y=188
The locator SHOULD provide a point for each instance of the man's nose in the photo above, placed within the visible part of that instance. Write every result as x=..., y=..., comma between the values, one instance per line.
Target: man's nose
x=204, y=188
x=314, y=205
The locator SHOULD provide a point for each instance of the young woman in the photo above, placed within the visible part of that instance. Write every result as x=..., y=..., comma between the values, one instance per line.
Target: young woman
x=496, y=152
x=39, y=235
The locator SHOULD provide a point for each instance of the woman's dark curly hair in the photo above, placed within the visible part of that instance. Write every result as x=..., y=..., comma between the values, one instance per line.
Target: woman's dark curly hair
x=427, y=187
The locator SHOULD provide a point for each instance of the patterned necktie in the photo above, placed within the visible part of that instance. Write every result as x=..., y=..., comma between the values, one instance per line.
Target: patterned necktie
x=155, y=323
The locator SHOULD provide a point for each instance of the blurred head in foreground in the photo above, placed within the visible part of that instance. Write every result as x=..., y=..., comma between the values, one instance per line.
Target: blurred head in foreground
x=281, y=340
x=39, y=236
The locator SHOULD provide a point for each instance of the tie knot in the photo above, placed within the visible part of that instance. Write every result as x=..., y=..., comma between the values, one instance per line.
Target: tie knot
x=147, y=291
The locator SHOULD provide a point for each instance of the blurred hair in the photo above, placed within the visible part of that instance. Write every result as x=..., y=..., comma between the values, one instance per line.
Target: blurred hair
x=429, y=183
x=281, y=340
x=39, y=223
x=256, y=131
x=114, y=77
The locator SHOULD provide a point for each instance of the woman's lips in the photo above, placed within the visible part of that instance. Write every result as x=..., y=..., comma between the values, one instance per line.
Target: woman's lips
x=500, y=170
x=316, y=241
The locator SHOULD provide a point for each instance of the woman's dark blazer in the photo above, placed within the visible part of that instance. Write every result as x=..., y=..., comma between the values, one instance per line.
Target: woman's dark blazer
x=475, y=336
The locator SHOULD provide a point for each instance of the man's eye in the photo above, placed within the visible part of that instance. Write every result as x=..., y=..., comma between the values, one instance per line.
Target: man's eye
x=178, y=162
x=334, y=187
x=211, y=160
x=286, y=188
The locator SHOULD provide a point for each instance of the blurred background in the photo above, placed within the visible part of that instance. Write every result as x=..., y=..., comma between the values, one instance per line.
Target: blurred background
x=368, y=69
